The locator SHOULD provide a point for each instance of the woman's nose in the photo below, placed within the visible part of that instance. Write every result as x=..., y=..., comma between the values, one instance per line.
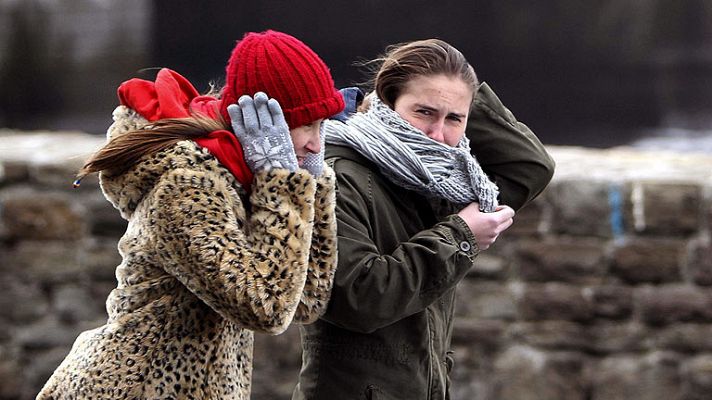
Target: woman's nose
x=435, y=131
x=314, y=143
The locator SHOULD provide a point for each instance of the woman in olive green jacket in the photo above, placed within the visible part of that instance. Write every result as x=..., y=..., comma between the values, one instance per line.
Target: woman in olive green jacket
x=414, y=209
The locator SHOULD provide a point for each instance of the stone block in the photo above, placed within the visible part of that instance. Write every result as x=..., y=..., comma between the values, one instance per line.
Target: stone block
x=619, y=337
x=277, y=360
x=580, y=208
x=649, y=260
x=624, y=377
x=47, y=333
x=664, y=208
x=11, y=373
x=102, y=218
x=530, y=220
x=475, y=345
x=526, y=373
x=472, y=361
x=44, y=261
x=14, y=172
x=21, y=302
x=699, y=267
x=468, y=385
x=6, y=329
x=52, y=158
x=484, y=300
x=279, y=350
x=697, y=378
x=501, y=248
x=579, y=261
x=100, y=290
x=554, y=301
x=99, y=258
x=551, y=335
x=4, y=233
x=611, y=301
x=489, y=266
x=40, y=215
x=486, y=334
x=674, y=303
x=40, y=367
x=73, y=302
x=57, y=175
x=685, y=337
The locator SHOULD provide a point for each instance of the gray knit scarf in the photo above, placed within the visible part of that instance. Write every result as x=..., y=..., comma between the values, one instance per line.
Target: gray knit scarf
x=410, y=159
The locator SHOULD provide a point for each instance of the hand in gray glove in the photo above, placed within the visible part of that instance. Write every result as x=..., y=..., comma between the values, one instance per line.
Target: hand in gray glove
x=260, y=127
x=314, y=162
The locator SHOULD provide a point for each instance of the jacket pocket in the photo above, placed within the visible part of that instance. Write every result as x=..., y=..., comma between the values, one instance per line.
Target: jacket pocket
x=373, y=392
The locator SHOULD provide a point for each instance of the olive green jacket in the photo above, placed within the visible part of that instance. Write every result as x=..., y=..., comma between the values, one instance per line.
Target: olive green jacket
x=386, y=333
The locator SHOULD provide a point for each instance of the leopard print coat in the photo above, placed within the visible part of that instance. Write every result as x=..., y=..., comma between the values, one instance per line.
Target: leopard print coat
x=201, y=271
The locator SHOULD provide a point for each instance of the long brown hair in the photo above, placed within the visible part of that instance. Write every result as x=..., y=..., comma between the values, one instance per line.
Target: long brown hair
x=124, y=150
x=405, y=61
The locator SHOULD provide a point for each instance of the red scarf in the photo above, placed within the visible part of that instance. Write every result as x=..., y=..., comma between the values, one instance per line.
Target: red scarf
x=173, y=96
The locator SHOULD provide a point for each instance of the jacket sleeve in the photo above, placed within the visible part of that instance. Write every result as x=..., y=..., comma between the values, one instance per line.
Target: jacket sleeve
x=507, y=150
x=322, y=253
x=254, y=274
x=373, y=289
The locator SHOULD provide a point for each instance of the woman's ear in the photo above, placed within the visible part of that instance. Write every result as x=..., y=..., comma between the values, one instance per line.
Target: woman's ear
x=366, y=103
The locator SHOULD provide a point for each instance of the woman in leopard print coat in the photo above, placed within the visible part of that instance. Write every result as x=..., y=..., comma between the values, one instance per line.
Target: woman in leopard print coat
x=208, y=256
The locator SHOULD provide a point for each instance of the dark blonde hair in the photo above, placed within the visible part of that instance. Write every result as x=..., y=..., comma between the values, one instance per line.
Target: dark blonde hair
x=405, y=61
x=124, y=150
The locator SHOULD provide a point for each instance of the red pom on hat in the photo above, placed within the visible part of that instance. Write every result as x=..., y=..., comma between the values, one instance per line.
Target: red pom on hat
x=285, y=69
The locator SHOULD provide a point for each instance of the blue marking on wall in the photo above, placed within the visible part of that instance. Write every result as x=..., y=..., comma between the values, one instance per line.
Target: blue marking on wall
x=615, y=201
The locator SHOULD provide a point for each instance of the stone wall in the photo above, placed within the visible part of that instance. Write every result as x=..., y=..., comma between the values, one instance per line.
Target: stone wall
x=601, y=290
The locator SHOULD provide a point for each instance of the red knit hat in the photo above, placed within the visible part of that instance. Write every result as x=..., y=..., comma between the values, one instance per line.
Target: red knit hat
x=285, y=69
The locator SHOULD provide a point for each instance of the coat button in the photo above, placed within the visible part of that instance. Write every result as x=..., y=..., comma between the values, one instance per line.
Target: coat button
x=465, y=246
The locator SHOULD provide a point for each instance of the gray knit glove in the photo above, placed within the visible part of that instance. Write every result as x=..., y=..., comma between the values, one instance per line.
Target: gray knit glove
x=314, y=162
x=260, y=127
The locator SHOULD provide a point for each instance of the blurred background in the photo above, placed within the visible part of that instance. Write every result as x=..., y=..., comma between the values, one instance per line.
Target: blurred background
x=596, y=73
x=594, y=294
